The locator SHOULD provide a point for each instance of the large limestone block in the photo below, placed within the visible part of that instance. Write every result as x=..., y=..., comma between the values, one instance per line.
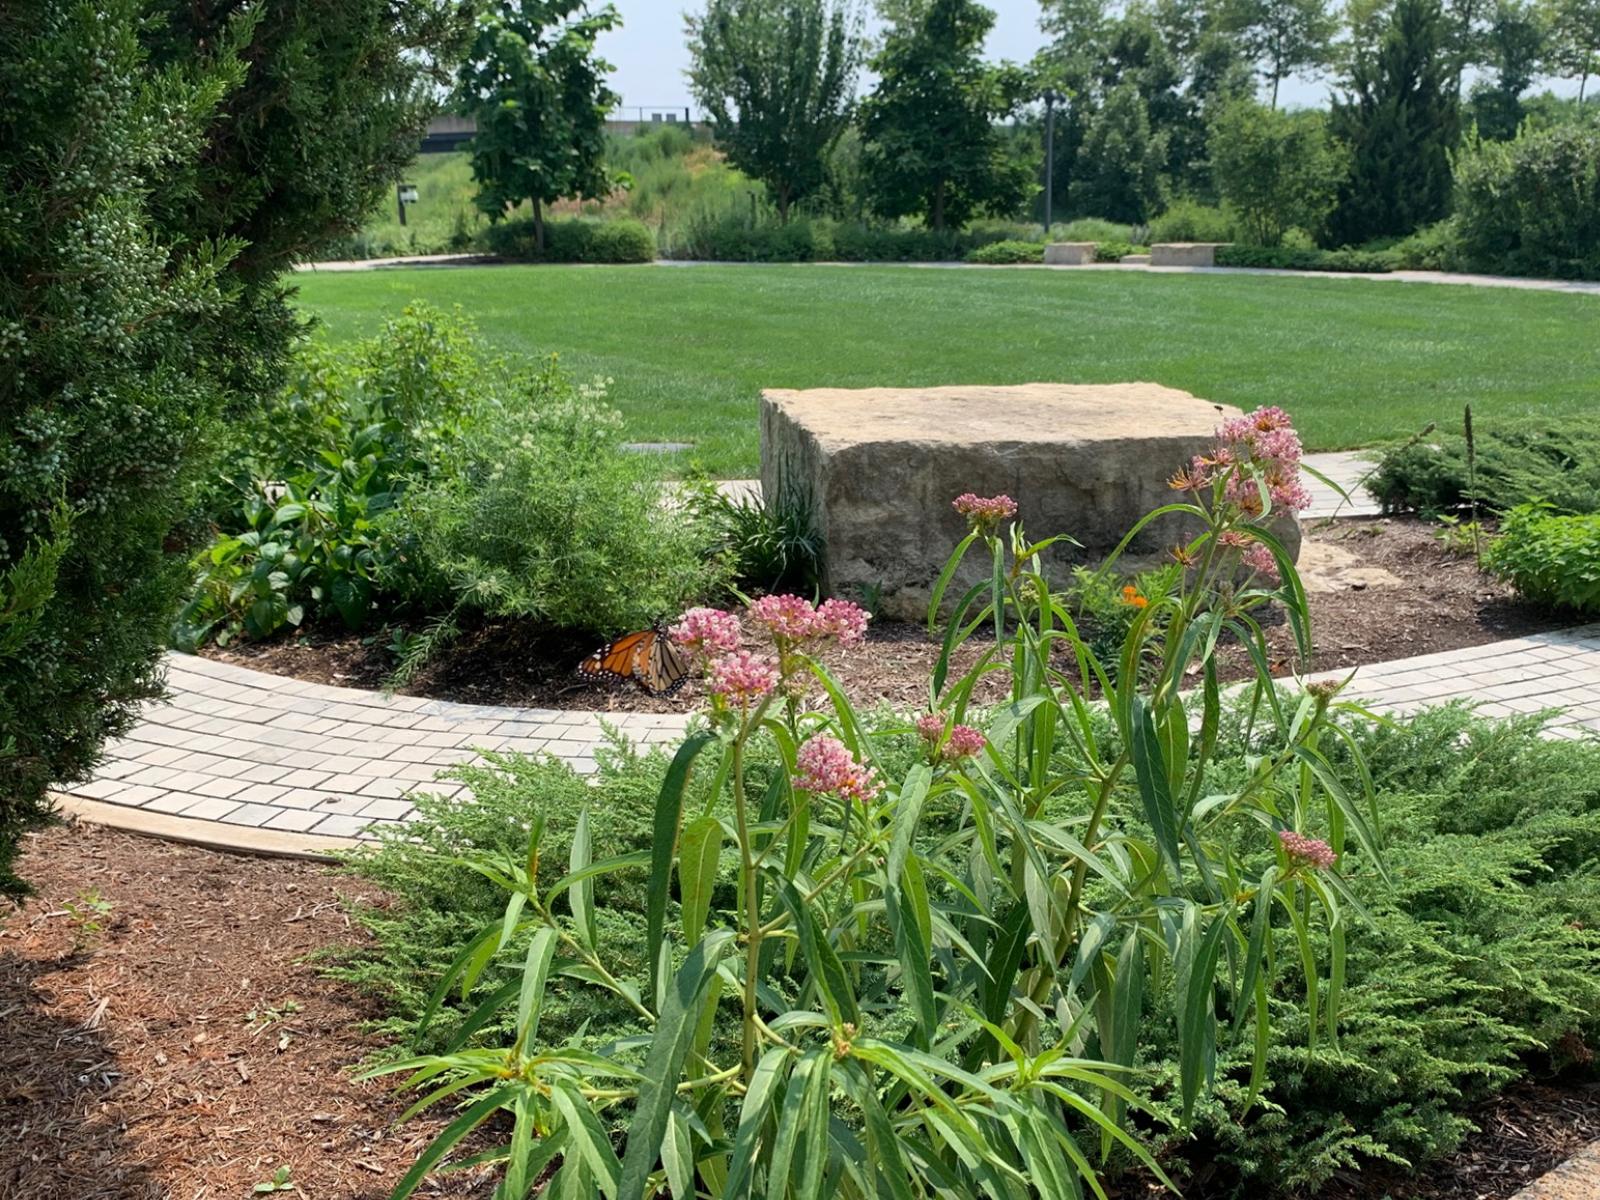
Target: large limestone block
x=1185, y=254
x=880, y=466
x=1069, y=254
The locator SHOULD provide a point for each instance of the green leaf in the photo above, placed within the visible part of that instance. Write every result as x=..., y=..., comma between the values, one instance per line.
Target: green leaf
x=663, y=1067
x=796, y=1165
x=470, y=1118
x=827, y=971
x=581, y=898
x=1195, y=969
x=535, y=973
x=753, y=1115
x=699, y=852
x=669, y=808
x=1154, y=790
x=588, y=1137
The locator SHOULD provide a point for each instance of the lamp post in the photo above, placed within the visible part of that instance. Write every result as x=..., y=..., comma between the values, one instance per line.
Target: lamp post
x=1051, y=99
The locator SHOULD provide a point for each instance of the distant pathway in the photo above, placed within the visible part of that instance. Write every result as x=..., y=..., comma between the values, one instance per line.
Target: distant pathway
x=1577, y=287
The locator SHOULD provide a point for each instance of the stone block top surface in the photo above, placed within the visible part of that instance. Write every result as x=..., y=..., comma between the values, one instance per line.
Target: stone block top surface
x=1022, y=414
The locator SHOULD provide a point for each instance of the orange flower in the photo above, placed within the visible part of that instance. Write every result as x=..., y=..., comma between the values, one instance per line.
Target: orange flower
x=1130, y=595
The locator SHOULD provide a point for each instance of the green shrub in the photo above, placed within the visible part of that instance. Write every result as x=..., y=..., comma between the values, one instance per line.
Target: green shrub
x=1517, y=463
x=542, y=517
x=1531, y=206
x=1278, y=170
x=1289, y=258
x=731, y=237
x=1191, y=221
x=1435, y=247
x=1007, y=253
x=1549, y=557
x=300, y=499
x=1110, y=252
x=1091, y=229
x=572, y=241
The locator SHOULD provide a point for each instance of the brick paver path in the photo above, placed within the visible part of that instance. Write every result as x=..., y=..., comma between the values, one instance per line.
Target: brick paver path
x=243, y=748
x=249, y=751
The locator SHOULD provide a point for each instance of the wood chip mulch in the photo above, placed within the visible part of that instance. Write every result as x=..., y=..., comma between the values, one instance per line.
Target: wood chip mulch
x=131, y=1066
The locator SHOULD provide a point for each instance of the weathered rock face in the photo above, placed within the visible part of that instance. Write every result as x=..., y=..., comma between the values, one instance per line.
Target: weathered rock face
x=1069, y=254
x=1185, y=254
x=880, y=466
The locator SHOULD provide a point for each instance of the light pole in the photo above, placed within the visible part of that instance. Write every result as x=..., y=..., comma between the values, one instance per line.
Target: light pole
x=1051, y=99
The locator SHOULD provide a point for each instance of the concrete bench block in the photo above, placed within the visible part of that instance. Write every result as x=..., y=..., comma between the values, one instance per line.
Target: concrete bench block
x=1185, y=254
x=879, y=468
x=1069, y=254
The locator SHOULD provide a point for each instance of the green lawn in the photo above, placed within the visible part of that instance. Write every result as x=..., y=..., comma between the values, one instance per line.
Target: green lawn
x=690, y=348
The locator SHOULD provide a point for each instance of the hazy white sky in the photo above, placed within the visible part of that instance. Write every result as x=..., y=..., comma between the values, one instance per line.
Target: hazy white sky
x=648, y=51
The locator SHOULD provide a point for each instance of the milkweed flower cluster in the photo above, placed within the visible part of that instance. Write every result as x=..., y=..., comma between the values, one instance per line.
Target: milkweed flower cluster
x=984, y=513
x=714, y=638
x=707, y=632
x=825, y=766
x=1261, y=443
x=1307, y=851
x=1252, y=554
x=742, y=677
x=963, y=741
x=791, y=620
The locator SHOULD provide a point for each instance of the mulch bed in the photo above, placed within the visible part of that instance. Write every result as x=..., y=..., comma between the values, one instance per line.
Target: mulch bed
x=1442, y=602
x=131, y=1067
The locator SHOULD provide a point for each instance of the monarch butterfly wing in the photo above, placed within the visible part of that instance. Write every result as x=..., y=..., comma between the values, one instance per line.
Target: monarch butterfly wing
x=618, y=659
x=669, y=667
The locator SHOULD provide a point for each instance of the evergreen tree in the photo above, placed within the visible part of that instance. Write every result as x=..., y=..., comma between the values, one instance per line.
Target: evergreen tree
x=1400, y=120
x=538, y=92
x=932, y=148
x=777, y=80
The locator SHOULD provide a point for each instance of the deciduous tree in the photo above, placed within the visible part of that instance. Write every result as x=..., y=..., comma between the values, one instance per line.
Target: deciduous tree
x=1278, y=170
x=932, y=146
x=1282, y=37
x=777, y=80
x=537, y=88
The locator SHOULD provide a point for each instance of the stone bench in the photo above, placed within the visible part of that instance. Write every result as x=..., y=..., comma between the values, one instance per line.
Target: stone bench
x=1185, y=254
x=879, y=467
x=1069, y=254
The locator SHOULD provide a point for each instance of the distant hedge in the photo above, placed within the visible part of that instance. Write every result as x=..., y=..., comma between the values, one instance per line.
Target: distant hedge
x=574, y=241
x=736, y=239
x=1290, y=258
x=1531, y=206
x=1007, y=253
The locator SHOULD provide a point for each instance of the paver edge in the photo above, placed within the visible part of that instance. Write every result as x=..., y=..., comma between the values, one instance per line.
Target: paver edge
x=1561, y=1182
x=210, y=835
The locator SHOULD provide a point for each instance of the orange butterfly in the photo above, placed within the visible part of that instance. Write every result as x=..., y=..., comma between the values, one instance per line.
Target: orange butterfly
x=647, y=658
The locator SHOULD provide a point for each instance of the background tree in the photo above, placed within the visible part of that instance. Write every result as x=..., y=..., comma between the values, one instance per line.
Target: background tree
x=1400, y=120
x=1574, y=47
x=539, y=95
x=932, y=147
x=1514, y=48
x=1119, y=168
x=1282, y=37
x=1278, y=170
x=777, y=81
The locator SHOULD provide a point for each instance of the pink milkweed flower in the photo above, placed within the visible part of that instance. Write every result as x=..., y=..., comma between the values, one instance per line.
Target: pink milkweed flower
x=786, y=618
x=930, y=728
x=1307, y=851
x=1259, y=559
x=707, y=632
x=1266, y=441
x=825, y=766
x=843, y=621
x=742, y=677
x=985, y=512
x=964, y=742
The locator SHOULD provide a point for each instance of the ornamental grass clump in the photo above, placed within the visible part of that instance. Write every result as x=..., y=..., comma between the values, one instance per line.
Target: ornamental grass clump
x=937, y=978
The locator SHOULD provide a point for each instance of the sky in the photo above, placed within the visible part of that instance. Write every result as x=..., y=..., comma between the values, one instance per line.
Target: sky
x=650, y=57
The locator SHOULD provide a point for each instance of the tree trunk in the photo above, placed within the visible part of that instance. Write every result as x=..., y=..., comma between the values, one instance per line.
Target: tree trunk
x=538, y=225
x=936, y=212
x=783, y=205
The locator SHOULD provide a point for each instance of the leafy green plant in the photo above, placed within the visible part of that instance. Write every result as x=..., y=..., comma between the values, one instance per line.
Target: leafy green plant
x=1106, y=605
x=616, y=240
x=282, y=1181
x=1290, y=258
x=1191, y=221
x=1549, y=557
x=928, y=975
x=769, y=546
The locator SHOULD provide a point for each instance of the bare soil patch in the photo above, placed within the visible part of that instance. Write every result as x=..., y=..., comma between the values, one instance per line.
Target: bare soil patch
x=1380, y=589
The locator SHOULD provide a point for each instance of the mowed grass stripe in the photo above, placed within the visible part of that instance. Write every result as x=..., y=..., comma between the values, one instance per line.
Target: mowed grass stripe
x=690, y=348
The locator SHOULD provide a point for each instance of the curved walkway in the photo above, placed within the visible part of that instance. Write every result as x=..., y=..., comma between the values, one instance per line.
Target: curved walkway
x=241, y=759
